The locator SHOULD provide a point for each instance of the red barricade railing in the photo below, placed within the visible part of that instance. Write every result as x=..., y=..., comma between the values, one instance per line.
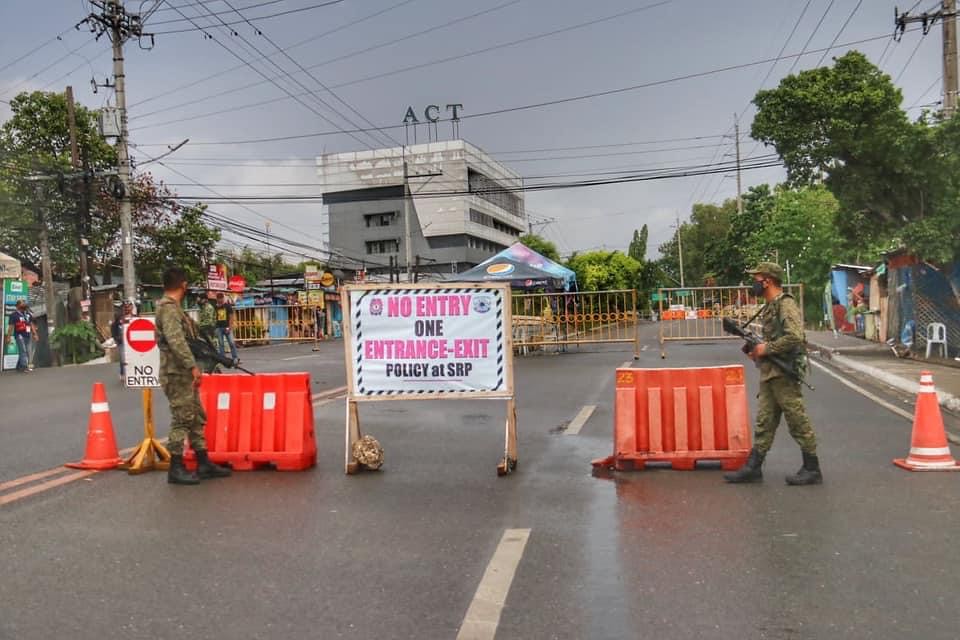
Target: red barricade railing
x=254, y=421
x=680, y=417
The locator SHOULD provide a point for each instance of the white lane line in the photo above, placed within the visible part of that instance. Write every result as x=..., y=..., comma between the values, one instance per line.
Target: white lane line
x=483, y=616
x=626, y=365
x=580, y=419
x=880, y=401
x=309, y=355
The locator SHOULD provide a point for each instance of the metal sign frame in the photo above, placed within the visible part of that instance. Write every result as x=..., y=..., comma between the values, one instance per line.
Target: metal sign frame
x=352, y=426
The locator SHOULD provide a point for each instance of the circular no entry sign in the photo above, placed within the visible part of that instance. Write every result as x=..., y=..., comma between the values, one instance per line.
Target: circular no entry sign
x=141, y=335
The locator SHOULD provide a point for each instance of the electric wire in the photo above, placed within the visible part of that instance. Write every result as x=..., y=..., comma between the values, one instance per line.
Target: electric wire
x=842, y=29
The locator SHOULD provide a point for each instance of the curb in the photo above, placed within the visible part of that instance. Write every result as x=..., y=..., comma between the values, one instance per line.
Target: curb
x=947, y=400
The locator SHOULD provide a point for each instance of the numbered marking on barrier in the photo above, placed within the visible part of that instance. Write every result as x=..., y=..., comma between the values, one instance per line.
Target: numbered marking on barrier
x=625, y=379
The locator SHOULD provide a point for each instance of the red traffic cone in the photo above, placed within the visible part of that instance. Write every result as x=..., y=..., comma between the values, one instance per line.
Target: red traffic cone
x=101, y=451
x=929, y=450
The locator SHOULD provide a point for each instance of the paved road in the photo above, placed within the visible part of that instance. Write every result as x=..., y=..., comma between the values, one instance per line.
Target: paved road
x=400, y=554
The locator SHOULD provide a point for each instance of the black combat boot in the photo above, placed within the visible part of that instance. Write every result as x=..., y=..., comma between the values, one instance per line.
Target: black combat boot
x=809, y=473
x=751, y=471
x=207, y=469
x=178, y=474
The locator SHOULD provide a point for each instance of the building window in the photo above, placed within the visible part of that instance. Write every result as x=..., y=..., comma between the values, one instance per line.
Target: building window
x=484, y=245
x=383, y=246
x=447, y=242
x=493, y=223
x=380, y=219
x=494, y=193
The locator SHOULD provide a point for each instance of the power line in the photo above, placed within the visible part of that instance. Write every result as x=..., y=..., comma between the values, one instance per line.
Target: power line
x=313, y=38
x=274, y=82
x=229, y=24
x=812, y=34
x=317, y=80
x=40, y=46
x=468, y=54
x=194, y=4
x=546, y=103
x=909, y=60
x=842, y=28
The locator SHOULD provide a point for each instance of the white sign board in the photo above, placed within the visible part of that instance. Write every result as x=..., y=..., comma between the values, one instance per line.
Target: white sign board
x=141, y=354
x=429, y=341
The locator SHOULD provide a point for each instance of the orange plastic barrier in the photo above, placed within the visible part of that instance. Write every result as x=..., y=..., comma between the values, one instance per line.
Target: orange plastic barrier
x=673, y=315
x=254, y=421
x=929, y=450
x=101, y=452
x=680, y=417
x=704, y=313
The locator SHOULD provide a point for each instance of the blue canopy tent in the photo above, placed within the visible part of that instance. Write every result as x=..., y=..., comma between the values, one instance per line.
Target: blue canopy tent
x=524, y=269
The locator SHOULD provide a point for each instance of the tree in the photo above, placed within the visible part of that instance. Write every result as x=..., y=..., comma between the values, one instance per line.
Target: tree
x=703, y=241
x=730, y=260
x=605, y=270
x=891, y=177
x=186, y=242
x=638, y=246
x=541, y=245
x=36, y=140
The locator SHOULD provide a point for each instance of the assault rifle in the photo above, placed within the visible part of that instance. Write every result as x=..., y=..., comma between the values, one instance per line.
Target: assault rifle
x=206, y=353
x=751, y=340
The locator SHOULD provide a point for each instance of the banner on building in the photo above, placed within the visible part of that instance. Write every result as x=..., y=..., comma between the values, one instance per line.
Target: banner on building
x=217, y=277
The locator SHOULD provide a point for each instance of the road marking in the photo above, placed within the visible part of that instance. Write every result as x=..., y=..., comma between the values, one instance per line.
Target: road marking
x=626, y=365
x=309, y=355
x=40, y=475
x=581, y=419
x=43, y=486
x=880, y=401
x=483, y=615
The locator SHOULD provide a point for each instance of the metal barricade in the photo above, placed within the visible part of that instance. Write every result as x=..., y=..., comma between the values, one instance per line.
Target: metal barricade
x=276, y=323
x=541, y=320
x=691, y=314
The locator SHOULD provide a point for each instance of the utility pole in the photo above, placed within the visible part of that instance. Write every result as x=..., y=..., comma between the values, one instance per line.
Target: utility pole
x=949, y=19
x=947, y=14
x=680, y=248
x=49, y=295
x=407, y=211
x=407, y=244
x=83, y=199
x=269, y=260
x=736, y=140
x=120, y=26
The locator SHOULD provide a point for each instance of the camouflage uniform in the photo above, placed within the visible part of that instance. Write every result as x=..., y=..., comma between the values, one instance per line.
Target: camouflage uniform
x=779, y=394
x=208, y=320
x=187, y=417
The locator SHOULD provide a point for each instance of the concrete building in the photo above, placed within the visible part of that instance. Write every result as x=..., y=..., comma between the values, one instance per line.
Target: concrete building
x=464, y=206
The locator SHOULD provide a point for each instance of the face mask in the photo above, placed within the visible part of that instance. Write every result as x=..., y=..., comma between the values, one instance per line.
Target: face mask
x=757, y=288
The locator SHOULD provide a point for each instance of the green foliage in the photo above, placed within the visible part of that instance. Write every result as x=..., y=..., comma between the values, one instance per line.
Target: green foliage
x=895, y=180
x=605, y=270
x=187, y=242
x=541, y=245
x=78, y=342
x=255, y=266
x=35, y=140
x=703, y=239
x=638, y=246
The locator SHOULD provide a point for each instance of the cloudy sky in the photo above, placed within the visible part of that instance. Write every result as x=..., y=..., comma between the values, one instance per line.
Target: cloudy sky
x=377, y=57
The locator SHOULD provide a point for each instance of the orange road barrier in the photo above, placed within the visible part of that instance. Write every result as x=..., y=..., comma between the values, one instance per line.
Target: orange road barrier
x=260, y=420
x=680, y=417
x=101, y=452
x=929, y=450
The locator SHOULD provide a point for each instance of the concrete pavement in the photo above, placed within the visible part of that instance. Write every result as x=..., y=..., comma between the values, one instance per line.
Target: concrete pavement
x=400, y=554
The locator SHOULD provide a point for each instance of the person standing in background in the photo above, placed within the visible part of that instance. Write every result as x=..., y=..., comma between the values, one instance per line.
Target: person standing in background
x=23, y=329
x=224, y=333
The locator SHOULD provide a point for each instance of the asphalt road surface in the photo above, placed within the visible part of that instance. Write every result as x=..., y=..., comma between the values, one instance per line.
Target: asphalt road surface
x=436, y=537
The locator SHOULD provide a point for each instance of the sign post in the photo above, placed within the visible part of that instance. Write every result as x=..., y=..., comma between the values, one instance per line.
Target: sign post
x=142, y=367
x=428, y=342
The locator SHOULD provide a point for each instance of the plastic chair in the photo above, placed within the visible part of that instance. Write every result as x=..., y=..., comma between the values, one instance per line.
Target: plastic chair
x=937, y=334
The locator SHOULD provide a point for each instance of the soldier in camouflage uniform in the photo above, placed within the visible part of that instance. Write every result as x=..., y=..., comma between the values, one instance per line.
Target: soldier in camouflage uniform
x=780, y=394
x=180, y=378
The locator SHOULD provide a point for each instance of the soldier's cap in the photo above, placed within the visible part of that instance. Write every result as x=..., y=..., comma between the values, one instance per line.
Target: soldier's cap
x=771, y=269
